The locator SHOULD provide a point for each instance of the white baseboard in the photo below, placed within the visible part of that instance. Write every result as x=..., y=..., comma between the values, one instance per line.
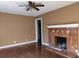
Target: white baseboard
x=17, y=44
x=45, y=44
x=52, y=47
x=56, y=48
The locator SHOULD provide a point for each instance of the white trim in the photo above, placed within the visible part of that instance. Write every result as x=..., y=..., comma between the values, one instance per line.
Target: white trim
x=56, y=48
x=17, y=44
x=45, y=44
x=64, y=25
x=52, y=47
x=36, y=36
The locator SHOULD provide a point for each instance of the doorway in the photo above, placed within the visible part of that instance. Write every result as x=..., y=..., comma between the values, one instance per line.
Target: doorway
x=38, y=26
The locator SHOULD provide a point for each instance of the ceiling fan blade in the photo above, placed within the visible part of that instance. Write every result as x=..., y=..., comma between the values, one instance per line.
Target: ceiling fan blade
x=39, y=5
x=36, y=8
x=30, y=3
x=27, y=9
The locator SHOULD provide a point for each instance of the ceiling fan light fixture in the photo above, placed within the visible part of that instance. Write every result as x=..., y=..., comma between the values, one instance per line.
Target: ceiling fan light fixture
x=32, y=6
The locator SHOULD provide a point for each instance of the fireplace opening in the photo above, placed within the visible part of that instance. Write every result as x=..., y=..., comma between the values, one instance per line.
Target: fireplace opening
x=60, y=42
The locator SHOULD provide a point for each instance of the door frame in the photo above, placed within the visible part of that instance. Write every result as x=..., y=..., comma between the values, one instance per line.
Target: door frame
x=36, y=33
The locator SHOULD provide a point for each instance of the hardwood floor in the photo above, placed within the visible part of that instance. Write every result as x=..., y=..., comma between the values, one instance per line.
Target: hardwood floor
x=28, y=51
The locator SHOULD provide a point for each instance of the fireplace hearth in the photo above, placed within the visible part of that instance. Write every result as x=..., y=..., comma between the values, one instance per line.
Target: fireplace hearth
x=60, y=42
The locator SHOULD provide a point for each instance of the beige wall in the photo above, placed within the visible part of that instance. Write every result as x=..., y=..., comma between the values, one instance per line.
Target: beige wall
x=68, y=14
x=16, y=28
x=21, y=28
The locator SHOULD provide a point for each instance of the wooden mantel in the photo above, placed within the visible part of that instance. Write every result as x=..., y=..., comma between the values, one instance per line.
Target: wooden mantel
x=63, y=26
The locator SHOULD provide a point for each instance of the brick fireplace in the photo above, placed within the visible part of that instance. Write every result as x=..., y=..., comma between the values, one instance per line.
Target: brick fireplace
x=64, y=38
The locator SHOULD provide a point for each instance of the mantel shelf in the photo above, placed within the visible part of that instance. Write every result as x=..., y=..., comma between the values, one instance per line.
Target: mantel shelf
x=63, y=26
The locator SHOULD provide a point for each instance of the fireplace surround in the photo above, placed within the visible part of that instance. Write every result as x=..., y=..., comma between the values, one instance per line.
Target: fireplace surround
x=63, y=37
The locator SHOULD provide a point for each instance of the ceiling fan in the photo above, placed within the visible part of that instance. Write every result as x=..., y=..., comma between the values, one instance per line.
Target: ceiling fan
x=32, y=5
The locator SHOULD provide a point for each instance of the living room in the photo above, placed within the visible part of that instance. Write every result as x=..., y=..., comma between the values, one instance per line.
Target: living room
x=49, y=31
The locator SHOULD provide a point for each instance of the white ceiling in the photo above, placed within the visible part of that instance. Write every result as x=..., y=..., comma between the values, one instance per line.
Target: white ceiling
x=12, y=7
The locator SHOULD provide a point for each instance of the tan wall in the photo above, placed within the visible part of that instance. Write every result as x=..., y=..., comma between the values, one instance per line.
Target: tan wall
x=68, y=14
x=16, y=28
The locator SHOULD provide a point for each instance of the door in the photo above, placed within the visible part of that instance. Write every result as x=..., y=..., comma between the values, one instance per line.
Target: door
x=39, y=31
